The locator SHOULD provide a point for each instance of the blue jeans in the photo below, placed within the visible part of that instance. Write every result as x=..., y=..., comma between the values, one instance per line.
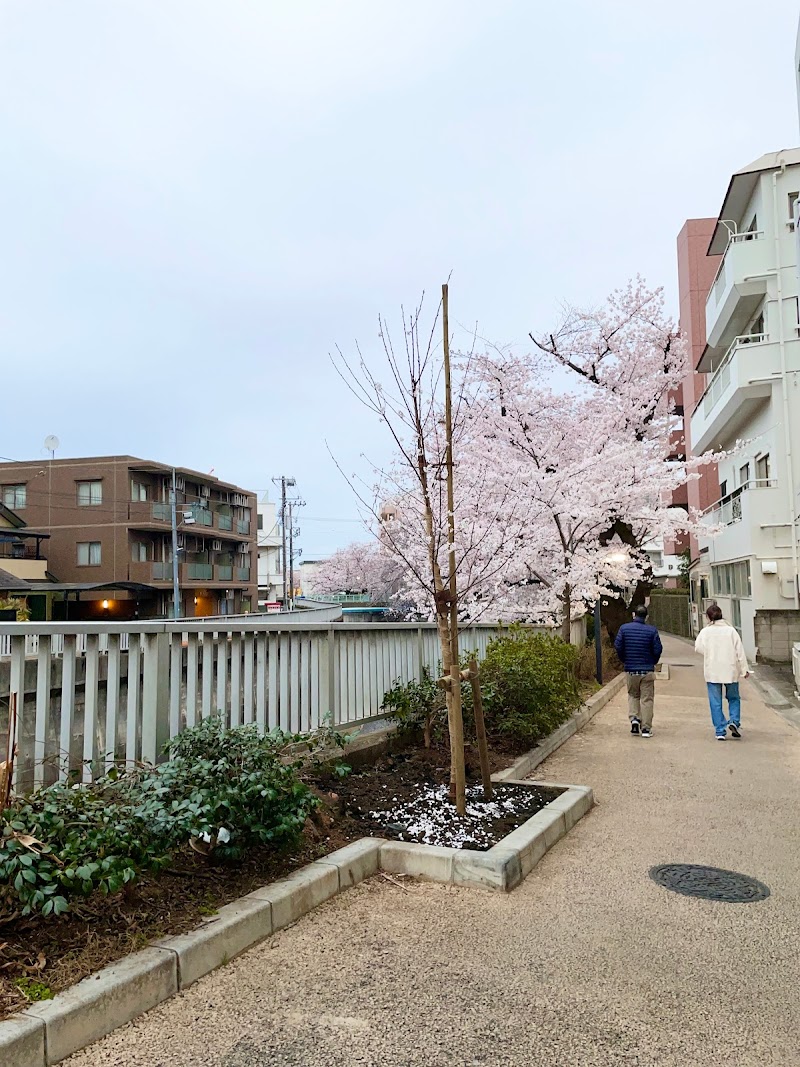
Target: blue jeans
x=715, y=701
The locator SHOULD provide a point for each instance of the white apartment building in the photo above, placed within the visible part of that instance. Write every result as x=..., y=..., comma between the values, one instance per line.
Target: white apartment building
x=752, y=395
x=270, y=569
x=666, y=566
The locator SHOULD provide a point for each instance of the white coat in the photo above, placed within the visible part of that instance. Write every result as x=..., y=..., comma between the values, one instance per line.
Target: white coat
x=722, y=651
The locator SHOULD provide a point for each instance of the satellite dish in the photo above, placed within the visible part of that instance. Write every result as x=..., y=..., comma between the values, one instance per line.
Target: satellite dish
x=51, y=443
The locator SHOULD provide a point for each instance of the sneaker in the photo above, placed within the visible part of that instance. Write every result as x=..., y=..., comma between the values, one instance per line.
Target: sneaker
x=635, y=726
x=647, y=731
x=734, y=729
x=721, y=737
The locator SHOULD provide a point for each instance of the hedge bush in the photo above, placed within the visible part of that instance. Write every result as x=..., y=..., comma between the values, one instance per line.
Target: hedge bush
x=68, y=840
x=529, y=685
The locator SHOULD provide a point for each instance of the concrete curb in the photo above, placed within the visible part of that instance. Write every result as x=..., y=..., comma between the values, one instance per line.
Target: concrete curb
x=522, y=767
x=48, y=1032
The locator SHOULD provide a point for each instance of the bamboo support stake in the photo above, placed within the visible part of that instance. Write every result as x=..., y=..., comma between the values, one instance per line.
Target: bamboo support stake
x=480, y=728
x=458, y=782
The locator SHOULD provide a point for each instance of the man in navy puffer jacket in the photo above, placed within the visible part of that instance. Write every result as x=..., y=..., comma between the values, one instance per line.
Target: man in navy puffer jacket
x=639, y=647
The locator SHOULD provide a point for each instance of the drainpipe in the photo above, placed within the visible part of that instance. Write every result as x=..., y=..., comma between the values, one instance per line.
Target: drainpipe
x=787, y=427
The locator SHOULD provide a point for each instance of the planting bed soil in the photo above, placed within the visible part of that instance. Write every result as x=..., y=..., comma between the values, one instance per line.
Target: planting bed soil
x=404, y=796
x=46, y=955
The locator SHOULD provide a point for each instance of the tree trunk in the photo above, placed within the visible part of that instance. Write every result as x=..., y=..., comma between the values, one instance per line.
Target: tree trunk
x=566, y=617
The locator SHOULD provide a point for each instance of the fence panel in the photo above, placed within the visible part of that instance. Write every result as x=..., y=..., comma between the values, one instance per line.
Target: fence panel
x=670, y=611
x=100, y=694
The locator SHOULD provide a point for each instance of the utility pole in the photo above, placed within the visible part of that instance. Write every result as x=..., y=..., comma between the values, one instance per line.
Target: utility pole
x=291, y=504
x=176, y=589
x=284, y=483
x=291, y=558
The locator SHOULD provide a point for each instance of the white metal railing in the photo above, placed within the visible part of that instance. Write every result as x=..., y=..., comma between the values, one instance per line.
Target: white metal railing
x=721, y=377
x=103, y=693
x=728, y=509
x=719, y=284
x=796, y=665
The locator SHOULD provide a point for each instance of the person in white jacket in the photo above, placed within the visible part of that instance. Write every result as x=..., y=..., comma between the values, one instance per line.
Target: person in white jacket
x=724, y=663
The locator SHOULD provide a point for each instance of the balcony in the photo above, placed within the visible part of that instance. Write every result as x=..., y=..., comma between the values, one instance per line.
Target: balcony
x=242, y=574
x=243, y=526
x=194, y=513
x=736, y=388
x=738, y=288
x=224, y=522
x=224, y=572
x=742, y=514
x=147, y=571
x=198, y=572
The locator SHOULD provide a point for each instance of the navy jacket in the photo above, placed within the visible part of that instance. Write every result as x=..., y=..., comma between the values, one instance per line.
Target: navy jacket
x=638, y=645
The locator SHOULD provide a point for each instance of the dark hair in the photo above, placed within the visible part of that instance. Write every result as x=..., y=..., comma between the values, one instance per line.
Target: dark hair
x=641, y=612
x=713, y=612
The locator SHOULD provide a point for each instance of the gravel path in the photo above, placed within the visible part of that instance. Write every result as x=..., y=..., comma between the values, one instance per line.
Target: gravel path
x=587, y=964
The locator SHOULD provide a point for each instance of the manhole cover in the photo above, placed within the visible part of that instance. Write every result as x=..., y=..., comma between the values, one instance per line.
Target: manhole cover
x=710, y=883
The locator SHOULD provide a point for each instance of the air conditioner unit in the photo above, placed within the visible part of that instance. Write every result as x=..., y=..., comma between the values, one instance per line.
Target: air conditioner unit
x=240, y=500
x=205, y=490
x=180, y=483
x=181, y=540
x=216, y=545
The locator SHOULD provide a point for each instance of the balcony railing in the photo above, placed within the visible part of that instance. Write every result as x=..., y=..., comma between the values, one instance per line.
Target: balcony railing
x=202, y=516
x=162, y=512
x=224, y=522
x=202, y=572
x=721, y=378
x=243, y=526
x=242, y=574
x=224, y=572
x=721, y=279
x=728, y=509
x=162, y=572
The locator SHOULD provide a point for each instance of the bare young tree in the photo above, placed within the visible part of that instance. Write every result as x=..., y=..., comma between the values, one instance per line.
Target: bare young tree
x=456, y=525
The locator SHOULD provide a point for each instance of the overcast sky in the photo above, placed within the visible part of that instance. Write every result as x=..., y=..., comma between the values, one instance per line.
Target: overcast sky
x=200, y=198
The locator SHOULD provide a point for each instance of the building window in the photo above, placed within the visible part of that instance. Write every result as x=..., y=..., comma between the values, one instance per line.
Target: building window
x=731, y=579
x=260, y=522
x=744, y=474
x=90, y=493
x=89, y=554
x=723, y=489
x=138, y=490
x=792, y=200
x=15, y=496
x=762, y=468
x=140, y=551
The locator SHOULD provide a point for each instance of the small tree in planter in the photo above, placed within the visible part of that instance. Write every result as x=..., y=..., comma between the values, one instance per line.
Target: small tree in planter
x=456, y=525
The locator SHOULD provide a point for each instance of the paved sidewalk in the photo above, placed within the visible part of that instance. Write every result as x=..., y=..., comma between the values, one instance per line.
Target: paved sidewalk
x=587, y=964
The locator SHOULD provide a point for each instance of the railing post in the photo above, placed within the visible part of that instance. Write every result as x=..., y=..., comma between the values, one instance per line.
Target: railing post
x=327, y=676
x=17, y=697
x=420, y=654
x=155, y=695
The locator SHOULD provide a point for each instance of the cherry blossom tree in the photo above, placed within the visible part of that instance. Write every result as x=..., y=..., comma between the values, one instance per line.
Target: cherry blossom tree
x=365, y=567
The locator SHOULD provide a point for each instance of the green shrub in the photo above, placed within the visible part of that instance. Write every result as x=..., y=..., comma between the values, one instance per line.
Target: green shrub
x=529, y=685
x=71, y=840
x=423, y=705
x=418, y=706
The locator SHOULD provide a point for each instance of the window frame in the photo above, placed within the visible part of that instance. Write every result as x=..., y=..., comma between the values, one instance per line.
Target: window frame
x=14, y=489
x=89, y=546
x=90, y=482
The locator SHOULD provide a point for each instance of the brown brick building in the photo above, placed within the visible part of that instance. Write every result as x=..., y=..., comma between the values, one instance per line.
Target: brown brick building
x=109, y=521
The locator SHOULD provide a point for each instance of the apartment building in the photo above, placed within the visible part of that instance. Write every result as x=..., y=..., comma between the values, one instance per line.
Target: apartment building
x=751, y=406
x=109, y=523
x=270, y=550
